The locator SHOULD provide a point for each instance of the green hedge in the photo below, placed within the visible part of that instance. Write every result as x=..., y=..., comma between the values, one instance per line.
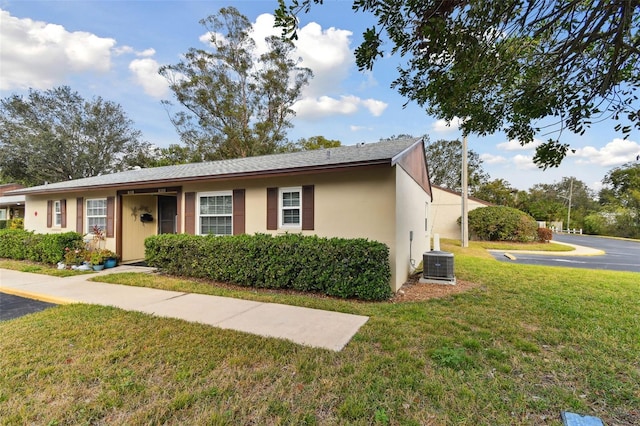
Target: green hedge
x=347, y=268
x=500, y=223
x=46, y=248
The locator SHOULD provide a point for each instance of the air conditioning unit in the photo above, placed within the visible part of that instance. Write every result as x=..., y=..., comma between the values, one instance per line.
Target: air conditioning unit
x=438, y=267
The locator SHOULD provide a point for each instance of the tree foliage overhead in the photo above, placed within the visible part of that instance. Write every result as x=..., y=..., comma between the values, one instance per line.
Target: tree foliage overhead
x=509, y=64
x=237, y=101
x=444, y=159
x=56, y=135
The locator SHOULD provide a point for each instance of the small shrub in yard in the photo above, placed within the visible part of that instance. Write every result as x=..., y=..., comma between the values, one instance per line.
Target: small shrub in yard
x=500, y=223
x=348, y=268
x=545, y=235
x=19, y=244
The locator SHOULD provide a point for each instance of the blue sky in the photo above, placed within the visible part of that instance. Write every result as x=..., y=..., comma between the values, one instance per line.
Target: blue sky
x=112, y=49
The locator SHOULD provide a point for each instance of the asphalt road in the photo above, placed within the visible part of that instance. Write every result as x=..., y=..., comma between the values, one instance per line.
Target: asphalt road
x=620, y=255
x=15, y=306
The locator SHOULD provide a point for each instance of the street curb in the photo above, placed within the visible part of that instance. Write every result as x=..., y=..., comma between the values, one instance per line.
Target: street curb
x=38, y=296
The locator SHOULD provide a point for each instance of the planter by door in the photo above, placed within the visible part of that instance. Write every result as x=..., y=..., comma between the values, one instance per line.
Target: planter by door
x=110, y=263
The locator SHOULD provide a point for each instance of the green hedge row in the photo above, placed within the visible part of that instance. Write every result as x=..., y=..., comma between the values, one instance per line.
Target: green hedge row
x=19, y=244
x=347, y=268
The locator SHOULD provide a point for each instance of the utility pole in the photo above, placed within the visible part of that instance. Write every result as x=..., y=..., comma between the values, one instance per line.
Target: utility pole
x=464, y=221
x=570, y=195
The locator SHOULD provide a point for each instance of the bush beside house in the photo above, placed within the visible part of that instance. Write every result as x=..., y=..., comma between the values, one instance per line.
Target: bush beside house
x=500, y=223
x=347, y=268
x=46, y=248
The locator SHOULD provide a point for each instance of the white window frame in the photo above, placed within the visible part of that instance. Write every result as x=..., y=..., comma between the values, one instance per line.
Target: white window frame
x=90, y=223
x=201, y=195
x=57, y=213
x=282, y=208
x=3, y=214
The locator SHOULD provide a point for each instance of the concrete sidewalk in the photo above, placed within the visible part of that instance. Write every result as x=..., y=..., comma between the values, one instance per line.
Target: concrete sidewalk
x=577, y=251
x=305, y=326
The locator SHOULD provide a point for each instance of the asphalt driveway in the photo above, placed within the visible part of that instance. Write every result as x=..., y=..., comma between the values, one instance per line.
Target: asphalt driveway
x=15, y=306
x=620, y=255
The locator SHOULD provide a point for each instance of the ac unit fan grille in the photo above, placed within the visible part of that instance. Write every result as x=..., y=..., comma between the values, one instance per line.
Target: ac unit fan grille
x=438, y=265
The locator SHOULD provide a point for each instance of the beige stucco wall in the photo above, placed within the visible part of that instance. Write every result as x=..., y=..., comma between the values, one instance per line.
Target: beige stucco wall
x=446, y=210
x=378, y=203
x=36, y=213
x=350, y=204
x=412, y=208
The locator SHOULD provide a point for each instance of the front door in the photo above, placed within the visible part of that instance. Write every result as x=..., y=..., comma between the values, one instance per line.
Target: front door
x=167, y=212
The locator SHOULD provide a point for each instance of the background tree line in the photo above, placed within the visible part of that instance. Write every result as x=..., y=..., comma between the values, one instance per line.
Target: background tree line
x=614, y=210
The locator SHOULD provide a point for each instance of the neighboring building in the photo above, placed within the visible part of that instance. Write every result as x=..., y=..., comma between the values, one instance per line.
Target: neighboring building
x=11, y=206
x=380, y=191
x=446, y=209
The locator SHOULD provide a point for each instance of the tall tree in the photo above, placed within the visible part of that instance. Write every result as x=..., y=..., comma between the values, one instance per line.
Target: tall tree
x=445, y=165
x=550, y=202
x=316, y=142
x=498, y=191
x=56, y=135
x=621, y=193
x=237, y=102
x=506, y=65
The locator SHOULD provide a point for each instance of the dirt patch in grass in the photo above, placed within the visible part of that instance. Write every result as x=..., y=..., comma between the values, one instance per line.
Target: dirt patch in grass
x=414, y=291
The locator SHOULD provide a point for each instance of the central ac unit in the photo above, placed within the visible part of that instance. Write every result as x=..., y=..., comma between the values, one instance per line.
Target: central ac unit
x=438, y=265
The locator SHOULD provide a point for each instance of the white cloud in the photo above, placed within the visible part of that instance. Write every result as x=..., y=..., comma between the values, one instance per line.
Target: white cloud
x=355, y=128
x=375, y=107
x=328, y=54
x=443, y=126
x=523, y=162
x=492, y=159
x=40, y=55
x=615, y=153
x=324, y=106
x=514, y=145
x=146, y=53
x=145, y=73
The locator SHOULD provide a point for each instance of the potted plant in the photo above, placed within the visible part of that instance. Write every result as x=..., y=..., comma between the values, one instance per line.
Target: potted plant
x=110, y=258
x=97, y=260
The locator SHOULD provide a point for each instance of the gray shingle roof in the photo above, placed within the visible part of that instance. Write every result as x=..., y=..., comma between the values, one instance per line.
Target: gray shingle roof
x=379, y=152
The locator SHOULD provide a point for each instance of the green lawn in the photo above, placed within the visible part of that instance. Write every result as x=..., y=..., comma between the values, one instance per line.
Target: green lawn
x=526, y=344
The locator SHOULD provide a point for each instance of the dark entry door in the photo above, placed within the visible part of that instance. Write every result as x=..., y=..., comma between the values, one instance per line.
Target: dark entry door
x=167, y=211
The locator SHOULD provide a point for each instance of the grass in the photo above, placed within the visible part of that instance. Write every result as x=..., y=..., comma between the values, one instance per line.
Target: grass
x=39, y=268
x=527, y=344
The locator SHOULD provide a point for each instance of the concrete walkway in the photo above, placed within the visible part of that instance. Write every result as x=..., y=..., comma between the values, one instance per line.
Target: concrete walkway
x=578, y=251
x=305, y=326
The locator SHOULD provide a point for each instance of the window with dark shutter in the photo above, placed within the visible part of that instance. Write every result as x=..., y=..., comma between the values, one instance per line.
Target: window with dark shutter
x=308, y=207
x=238, y=212
x=49, y=213
x=63, y=213
x=272, y=208
x=111, y=208
x=80, y=215
x=190, y=213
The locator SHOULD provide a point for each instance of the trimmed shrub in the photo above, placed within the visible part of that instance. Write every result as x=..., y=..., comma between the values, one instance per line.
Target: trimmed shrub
x=500, y=223
x=347, y=268
x=46, y=248
x=13, y=243
x=545, y=235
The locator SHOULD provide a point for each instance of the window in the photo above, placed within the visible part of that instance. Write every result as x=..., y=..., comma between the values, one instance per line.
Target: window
x=3, y=214
x=57, y=213
x=96, y=214
x=215, y=213
x=290, y=207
